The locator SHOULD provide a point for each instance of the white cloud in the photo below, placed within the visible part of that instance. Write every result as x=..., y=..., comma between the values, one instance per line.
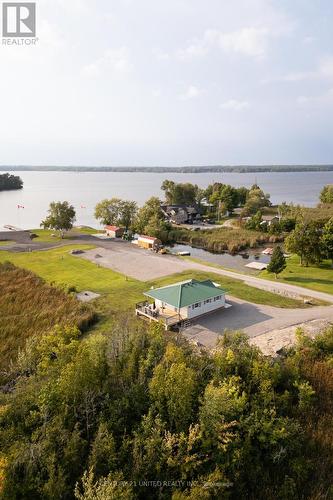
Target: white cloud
x=192, y=92
x=160, y=55
x=248, y=41
x=309, y=39
x=235, y=105
x=324, y=99
x=324, y=71
x=116, y=60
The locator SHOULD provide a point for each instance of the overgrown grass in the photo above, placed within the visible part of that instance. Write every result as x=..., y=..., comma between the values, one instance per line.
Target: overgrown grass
x=29, y=306
x=313, y=277
x=225, y=239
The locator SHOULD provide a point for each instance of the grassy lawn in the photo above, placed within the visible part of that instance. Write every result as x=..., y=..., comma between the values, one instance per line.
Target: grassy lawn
x=58, y=266
x=45, y=235
x=314, y=277
x=4, y=243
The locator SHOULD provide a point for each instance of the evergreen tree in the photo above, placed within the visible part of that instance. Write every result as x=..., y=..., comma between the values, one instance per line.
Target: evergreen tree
x=278, y=262
x=326, y=195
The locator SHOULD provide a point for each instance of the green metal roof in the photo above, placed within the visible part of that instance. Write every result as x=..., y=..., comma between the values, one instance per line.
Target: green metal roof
x=186, y=293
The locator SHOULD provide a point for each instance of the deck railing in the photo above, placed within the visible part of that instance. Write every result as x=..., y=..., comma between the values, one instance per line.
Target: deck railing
x=146, y=309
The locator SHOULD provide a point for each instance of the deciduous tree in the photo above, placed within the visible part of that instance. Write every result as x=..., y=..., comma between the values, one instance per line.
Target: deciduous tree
x=305, y=242
x=327, y=239
x=61, y=217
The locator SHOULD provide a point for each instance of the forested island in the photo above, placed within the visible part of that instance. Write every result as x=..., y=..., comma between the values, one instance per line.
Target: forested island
x=10, y=182
x=195, y=169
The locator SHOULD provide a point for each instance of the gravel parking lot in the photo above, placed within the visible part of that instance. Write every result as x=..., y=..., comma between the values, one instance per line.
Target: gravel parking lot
x=128, y=259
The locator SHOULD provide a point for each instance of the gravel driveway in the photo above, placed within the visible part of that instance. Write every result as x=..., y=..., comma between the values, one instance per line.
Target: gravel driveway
x=127, y=259
x=253, y=319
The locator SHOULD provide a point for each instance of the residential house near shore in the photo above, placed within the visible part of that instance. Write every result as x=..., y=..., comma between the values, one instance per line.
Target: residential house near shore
x=181, y=214
x=174, y=304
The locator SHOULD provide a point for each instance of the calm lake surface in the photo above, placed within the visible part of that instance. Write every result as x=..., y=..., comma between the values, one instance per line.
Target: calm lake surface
x=237, y=262
x=84, y=190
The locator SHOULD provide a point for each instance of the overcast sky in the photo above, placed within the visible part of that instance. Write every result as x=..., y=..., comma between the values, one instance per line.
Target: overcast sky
x=171, y=82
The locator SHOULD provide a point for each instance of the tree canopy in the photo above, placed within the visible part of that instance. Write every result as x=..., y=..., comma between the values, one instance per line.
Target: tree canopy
x=181, y=193
x=116, y=212
x=150, y=220
x=255, y=200
x=9, y=182
x=61, y=217
x=327, y=239
x=135, y=414
x=304, y=241
x=326, y=195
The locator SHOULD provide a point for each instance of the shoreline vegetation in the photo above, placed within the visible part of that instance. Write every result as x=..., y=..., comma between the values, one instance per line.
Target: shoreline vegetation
x=195, y=169
x=223, y=240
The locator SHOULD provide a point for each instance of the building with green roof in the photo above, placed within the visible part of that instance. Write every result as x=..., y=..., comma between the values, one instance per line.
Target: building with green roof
x=183, y=301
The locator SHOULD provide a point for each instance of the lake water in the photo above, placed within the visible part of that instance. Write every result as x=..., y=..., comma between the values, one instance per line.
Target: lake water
x=237, y=262
x=85, y=189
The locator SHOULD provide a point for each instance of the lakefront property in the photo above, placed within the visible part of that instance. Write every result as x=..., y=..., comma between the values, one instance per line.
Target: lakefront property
x=182, y=301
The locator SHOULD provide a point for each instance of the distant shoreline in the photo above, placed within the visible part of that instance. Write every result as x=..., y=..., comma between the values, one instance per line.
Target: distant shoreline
x=179, y=170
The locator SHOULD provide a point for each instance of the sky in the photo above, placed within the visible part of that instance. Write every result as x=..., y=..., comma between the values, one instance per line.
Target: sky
x=172, y=82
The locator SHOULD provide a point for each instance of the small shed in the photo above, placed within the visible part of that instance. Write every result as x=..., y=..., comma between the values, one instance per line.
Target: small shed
x=149, y=242
x=114, y=231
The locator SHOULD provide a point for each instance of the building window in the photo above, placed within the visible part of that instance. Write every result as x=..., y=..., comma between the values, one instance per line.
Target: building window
x=217, y=298
x=208, y=301
x=195, y=306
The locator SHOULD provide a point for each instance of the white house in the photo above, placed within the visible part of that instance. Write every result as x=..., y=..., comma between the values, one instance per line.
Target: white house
x=182, y=301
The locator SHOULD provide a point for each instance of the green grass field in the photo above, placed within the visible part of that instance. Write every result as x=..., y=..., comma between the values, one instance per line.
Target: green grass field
x=314, y=277
x=58, y=266
x=45, y=235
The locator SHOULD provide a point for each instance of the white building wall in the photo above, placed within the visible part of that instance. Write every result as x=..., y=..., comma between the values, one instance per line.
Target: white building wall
x=206, y=308
x=189, y=312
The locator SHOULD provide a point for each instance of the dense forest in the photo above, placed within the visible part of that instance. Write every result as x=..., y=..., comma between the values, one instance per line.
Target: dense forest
x=9, y=182
x=135, y=413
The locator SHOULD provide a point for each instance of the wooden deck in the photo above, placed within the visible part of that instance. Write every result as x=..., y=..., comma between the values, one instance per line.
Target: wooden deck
x=145, y=309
